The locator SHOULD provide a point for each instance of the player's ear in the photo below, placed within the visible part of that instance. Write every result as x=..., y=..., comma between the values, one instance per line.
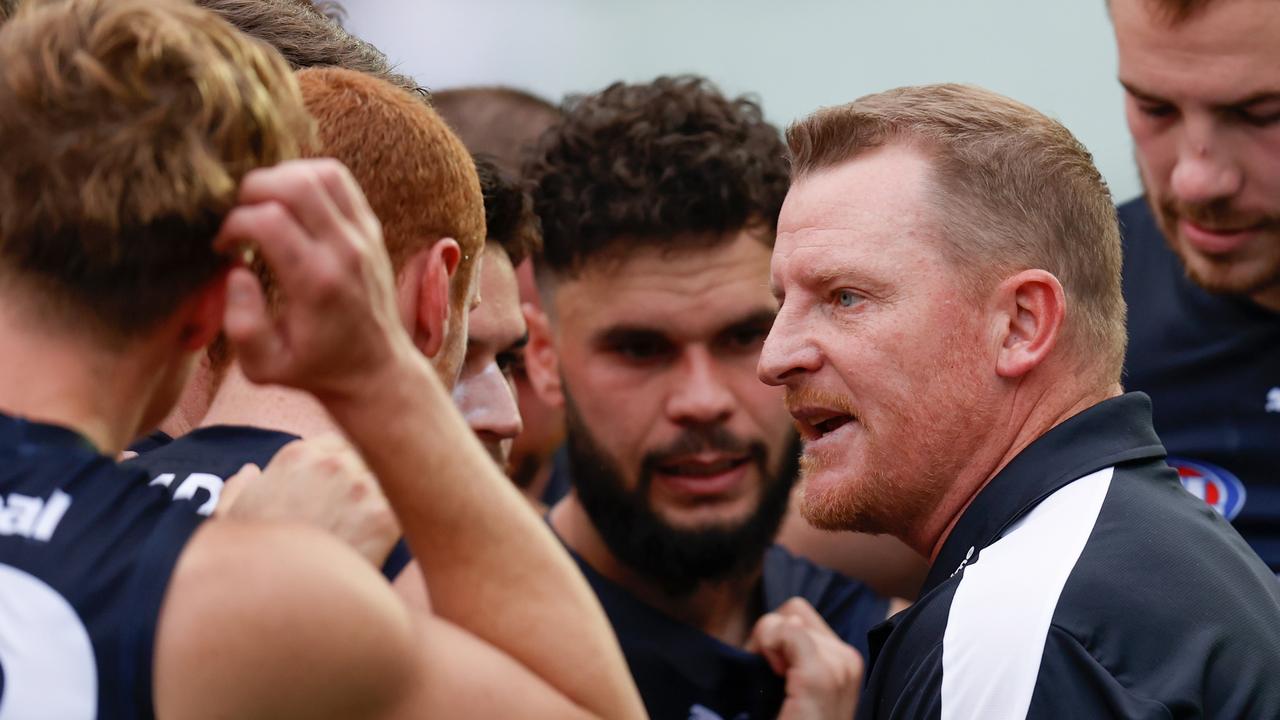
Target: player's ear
x=433, y=301
x=202, y=313
x=542, y=362
x=1029, y=309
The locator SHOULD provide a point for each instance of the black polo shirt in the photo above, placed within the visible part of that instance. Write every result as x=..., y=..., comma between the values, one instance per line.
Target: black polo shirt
x=1085, y=582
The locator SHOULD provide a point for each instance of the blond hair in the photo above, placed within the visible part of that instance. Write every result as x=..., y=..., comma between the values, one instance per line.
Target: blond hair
x=125, y=129
x=1012, y=189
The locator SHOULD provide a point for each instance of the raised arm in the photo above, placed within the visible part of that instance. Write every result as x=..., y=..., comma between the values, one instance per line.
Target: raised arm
x=267, y=620
x=493, y=566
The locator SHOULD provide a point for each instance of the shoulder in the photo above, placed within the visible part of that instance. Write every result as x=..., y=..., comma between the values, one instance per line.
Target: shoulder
x=219, y=449
x=277, y=617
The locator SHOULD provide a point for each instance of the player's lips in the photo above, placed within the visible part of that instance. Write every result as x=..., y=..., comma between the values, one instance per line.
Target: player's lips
x=814, y=423
x=1216, y=240
x=708, y=473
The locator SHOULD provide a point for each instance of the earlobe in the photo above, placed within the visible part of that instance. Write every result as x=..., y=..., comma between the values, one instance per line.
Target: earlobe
x=1031, y=309
x=542, y=363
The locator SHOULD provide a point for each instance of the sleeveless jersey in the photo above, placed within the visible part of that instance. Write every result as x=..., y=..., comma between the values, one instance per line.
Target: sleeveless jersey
x=86, y=552
x=195, y=466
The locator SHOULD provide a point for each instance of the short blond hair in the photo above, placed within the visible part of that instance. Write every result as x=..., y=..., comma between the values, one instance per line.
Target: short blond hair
x=1012, y=189
x=125, y=129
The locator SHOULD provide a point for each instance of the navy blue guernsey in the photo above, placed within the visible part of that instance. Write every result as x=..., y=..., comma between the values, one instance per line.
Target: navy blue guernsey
x=682, y=672
x=195, y=466
x=158, y=438
x=87, y=549
x=1211, y=364
x=1084, y=582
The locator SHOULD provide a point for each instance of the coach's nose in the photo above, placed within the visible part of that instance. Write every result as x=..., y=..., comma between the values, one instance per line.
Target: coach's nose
x=788, y=351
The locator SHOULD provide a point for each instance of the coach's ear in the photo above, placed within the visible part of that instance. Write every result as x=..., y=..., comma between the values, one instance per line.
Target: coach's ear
x=201, y=314
x=423, y=290
x=1028, y=310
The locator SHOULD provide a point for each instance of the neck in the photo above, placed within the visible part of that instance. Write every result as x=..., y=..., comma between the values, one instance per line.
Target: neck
x=1268, y=298
x=61, y=378
x=1032, y=414
x=726, y=610
x=240, y=401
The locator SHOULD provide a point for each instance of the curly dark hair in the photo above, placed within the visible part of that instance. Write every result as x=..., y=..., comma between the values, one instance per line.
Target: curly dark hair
x=663, y=164
x=508, y=212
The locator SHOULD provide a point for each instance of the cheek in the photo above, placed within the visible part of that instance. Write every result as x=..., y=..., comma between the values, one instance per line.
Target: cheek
x=1262, y=165
x=619, y=414
x=1156, y=160
x=764, y=404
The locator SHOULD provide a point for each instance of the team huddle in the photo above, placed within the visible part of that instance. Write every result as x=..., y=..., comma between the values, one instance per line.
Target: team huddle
x=326, y=396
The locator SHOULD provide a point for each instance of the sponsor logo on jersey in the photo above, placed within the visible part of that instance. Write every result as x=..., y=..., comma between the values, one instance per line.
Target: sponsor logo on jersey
x=32, y=517
x=1219, y=488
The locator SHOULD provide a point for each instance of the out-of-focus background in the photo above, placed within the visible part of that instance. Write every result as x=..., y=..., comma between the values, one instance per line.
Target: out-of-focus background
x=795, y=56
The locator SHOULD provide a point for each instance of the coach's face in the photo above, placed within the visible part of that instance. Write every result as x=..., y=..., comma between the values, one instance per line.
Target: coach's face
x=880, y=349
x=1203, y=103
x=657, y=356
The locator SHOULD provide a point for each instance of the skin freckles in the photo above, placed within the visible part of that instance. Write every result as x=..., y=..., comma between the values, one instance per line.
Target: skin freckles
x=872, y=314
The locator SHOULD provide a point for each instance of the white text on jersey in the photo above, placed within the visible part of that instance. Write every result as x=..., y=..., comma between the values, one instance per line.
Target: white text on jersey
x=33, y=517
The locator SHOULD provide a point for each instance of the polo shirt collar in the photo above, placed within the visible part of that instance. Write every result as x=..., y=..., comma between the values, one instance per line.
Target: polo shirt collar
x=1113, y=431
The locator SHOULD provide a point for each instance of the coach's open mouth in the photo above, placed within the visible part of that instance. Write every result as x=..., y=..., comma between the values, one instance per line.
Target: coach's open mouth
x=815, y=423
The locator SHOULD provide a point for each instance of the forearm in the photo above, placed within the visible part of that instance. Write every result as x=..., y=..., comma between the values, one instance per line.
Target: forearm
x=493, y=566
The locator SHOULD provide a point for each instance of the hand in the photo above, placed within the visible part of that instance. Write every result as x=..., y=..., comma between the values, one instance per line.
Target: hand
x=321, y=482
x=337, y=322
x=823, y=673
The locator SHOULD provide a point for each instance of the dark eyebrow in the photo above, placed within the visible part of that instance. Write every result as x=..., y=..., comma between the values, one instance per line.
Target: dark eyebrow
x=1257, y=98
x=619, y=334
x=1261, y=98
x=758, y=319
x=1140, y=94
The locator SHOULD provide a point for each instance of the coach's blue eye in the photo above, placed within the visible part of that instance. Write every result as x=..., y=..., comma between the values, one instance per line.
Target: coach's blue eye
x=847, y=298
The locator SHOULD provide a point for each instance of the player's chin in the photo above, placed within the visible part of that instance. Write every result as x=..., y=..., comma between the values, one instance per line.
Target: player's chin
x=1239, y=276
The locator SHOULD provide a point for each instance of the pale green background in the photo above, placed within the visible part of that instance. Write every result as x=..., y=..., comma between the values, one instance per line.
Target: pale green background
x=1058, y=56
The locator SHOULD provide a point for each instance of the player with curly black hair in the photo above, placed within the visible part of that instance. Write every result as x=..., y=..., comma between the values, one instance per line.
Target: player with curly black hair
x=659, y=203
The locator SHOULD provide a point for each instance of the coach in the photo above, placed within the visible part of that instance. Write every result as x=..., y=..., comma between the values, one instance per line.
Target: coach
x=951, y=337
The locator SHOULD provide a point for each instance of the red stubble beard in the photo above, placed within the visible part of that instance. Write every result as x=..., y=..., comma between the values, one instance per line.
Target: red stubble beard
x=1255, y=268
x=913, y=451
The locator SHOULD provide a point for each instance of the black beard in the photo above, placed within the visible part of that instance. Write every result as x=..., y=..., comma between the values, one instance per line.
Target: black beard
x=677, y=560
